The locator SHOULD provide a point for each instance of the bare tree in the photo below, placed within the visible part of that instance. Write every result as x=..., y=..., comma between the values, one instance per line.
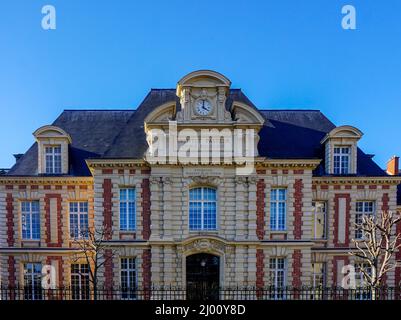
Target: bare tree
x=377, y=246
x=92, y=246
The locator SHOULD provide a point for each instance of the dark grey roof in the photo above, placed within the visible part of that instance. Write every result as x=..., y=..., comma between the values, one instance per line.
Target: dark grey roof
x=92, y=133
x=286, y=134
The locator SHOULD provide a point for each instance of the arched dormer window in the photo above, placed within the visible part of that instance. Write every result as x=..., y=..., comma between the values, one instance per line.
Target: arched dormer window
x=341, y=145
x=52, y=150
x=202, y=209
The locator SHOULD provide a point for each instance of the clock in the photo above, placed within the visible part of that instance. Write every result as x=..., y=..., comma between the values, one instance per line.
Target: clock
x=203, y=107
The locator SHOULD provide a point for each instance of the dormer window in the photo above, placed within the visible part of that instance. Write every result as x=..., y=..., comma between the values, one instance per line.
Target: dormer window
x=341, y=150
x=341, y=159
x=53, y=144
x=53, y=159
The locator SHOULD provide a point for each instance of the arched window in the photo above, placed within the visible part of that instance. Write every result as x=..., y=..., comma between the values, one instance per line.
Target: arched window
x=202, y=209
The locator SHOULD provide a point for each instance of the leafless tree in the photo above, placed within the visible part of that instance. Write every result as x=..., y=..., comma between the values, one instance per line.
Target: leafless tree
x=92, y=246
x=377, y=246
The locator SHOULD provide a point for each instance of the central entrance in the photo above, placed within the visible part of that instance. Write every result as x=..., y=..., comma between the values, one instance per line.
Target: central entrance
x=203, y=276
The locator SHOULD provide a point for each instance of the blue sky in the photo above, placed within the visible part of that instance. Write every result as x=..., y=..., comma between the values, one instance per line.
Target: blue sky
x=284, y=54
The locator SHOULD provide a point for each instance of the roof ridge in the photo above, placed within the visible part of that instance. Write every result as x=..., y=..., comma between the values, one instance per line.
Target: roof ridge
x=297, y=110
x=105, y=110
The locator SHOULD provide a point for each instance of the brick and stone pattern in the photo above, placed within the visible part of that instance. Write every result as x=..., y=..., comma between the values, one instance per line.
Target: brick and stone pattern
x=243, y=241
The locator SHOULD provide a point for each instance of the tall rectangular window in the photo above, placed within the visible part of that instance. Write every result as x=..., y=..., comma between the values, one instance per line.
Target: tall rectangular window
x=128, y=278
x=202, y=209
x=278, y=209
x=319, y=219
x=53, y=159
x=362, y=292
x=80, y=282
x=30, y=220
x=363, y=208
x=318, y=275
x=342, y=156
x=318, y=280
x=79, y=220
x=127, y=210
x=33, y=281
x=277, y=271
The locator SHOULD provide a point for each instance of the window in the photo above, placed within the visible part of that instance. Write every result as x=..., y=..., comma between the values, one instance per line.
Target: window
x=278, y=209
x=341, y=160
x=319, y=219
x=53, y=159
x=202, y=209
x=30, y=220
x=318, y=275
x=277, y=277
x=33, y=281
x=127, y=210
x=80, y=282
x=362, y=291
x=362, y=208
x=78, y=220
x=128, y=278
x=318, y=280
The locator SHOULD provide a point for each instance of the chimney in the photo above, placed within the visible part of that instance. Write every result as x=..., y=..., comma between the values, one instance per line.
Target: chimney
x=392, y=166
x=18, y=156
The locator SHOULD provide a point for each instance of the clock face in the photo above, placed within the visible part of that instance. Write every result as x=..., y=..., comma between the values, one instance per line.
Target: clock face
x=203, y=107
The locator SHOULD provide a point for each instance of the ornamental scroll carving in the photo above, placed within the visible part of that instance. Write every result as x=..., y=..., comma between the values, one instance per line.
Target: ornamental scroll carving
x=204, y=245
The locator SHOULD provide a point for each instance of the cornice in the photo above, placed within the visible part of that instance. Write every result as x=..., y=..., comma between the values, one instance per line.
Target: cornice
x=46, y=180
x=393, y=180
x=310, y=164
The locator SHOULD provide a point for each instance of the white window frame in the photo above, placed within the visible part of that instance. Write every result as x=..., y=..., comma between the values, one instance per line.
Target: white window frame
x=279, y=291
x=339, y=151
x=80, y=275
x=362, y=290
x=316, y=275
x=78, y=214
x=33, y=292
x=360, y=214
x=276, y=224
x=276, y=269
x=315, y=205
x=127, y=203
x=202, y=201
x=130, y=295
x=54, y=153
x=29, y=215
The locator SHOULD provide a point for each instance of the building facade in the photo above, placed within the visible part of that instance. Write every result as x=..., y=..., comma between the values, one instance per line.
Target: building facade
x=289, y=222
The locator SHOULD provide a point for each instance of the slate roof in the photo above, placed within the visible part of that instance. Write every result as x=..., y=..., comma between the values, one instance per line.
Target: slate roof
x=92, y=133
x=286, y=134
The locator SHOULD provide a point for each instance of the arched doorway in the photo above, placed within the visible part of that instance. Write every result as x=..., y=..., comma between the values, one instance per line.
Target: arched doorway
x=203, y=276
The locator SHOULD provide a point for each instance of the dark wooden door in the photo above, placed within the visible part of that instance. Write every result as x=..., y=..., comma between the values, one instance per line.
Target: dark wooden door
x=203, y=276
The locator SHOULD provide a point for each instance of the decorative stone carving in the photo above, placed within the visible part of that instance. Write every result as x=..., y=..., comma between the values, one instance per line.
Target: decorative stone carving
x=205, y=245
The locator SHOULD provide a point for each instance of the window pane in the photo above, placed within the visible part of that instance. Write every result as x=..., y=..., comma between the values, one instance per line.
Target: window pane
x=202, y=208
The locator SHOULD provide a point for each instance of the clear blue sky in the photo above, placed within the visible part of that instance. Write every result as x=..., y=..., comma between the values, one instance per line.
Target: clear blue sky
x=282, y=53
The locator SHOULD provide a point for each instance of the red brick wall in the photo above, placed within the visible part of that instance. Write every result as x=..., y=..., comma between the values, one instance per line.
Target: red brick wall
x=260, y=209
x=347, y=219
x=10, y=219
x=146, y=209
x=385, y=200
x=59, y=221
x=298, y=194
x=398, y=258
x=108, y=268
x=11, y=271
x=336, y=276
x=260, y=268
x=107, y=208
x=296, y=268
x=146, y=271
x=59, y=260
